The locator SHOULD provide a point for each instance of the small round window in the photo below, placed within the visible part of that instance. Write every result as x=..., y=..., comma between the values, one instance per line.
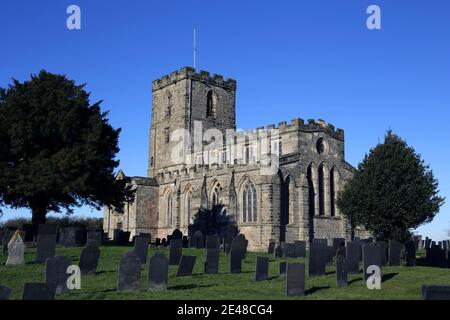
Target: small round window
x=320, y=146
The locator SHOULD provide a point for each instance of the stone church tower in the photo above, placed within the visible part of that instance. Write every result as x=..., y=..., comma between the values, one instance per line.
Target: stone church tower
x=198, y=159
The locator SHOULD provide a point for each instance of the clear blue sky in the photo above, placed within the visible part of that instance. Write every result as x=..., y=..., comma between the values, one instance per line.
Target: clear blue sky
x=307, y=59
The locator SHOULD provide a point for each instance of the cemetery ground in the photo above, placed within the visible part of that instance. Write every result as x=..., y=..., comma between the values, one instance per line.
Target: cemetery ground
x=398, y=282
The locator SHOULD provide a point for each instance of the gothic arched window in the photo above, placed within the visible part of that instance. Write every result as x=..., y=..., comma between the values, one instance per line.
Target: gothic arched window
x=211, y=102
x=215, y=194
x=249, y=202
x=169, y=206
x=321, y=177
x=187, y=207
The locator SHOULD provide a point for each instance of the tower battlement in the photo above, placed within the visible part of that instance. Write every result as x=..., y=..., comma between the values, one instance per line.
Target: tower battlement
x=189, y=72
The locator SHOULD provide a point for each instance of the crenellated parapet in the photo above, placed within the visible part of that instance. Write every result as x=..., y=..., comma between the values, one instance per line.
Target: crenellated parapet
x=188, y=72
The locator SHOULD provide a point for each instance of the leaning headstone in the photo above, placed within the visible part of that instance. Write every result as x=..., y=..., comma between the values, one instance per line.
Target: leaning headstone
x=175, y=252
x=89, y=257
x=410, y=254
x=212, y=260
x=46, y=244
x=371, y=256
x=341, y=271
x=129, y=278
x=317, y=259
x=158, y=272
x=395, y=250
x=16, y=250
x=300, y=249
x=262, y=268
x=141, y=244
x=271, y=248
x=278, y=252
x=383, y=252
x=289, y=250
x=37, y=291
x=56, y=274
x=353, y=256
x=186, y=266
x=436, y=292
x=5, y=292
x=176, y=234
x=283, y=266
x=295, y=279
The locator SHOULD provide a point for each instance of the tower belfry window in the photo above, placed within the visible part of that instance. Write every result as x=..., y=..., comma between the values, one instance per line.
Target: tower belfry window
x=211, y=101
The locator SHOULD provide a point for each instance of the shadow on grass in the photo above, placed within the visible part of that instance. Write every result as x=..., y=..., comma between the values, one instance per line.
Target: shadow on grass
x=105, y=271
x=189, y=286
x=315, y=289
x=388, y=276
x=330, y=272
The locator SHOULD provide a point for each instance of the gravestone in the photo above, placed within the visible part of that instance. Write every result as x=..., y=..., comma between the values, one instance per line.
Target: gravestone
x=410, y=254
x=289, y=250
x=16, y=250
x=169, y=238
x=141, y=244
x=158, y=272
x=235, y=261
x=124, y=238
x=395, y=250
x=300, y=249
x=56, y=274
x=283, y=266
x=341, y=271
x=164, y=242
x=427, y=243
x=212, y=260
x=262, y=268
x=30, y=232
x=436, y=256
x=436, y=292
x=198, y=240
x=8, y=232
x=323, y=241
x=177, y=234
x=186, y=266
x=371, y=256
x=37, y=291
x=271, y=248
x=239, y=246
x=212, y=242
x=353, y=256
x=175, y=251
x=317, y=258
x=295, y=279
x=96, y=235
x=47, y=228
x=185, y=242
x=129, y=278
x=89, y=257
x=337, y=243
x=341, y=251
x=67, y=237
x=5, y=292
x=383, y=252
x=157, y=242
x=330, y=253
x=278, y=252
x=46, y=244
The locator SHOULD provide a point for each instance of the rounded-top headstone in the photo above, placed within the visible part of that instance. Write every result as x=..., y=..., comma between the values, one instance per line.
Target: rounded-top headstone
x=177, y=234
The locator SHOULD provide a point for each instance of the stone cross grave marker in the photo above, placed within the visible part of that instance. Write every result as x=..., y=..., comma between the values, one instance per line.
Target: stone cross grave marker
x=129, y=278
x=175, y=251
x=262, y=268
x=341, y=271
x=395, y=250
x=89, y=257
x=300, y=249
x=186, y=266
x=295, y=279
x=46, y=244
x=158, y=272
x=141, y=244
x=371, y=256
x=37, y=291
x=16, y=250
x=317, y=259
x=56, y=274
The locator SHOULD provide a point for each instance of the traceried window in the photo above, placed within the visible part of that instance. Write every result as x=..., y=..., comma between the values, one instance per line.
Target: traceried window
x=187, y=207
x=215, y=194
x=249, y=203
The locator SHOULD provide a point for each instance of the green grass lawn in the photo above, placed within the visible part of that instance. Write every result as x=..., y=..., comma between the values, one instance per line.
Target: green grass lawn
x=400, y=282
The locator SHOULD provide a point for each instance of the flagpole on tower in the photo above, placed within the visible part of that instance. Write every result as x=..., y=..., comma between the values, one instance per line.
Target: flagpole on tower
x=195, y=49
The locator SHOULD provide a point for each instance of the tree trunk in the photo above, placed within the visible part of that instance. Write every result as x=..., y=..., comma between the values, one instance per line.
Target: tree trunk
x=39, y=214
